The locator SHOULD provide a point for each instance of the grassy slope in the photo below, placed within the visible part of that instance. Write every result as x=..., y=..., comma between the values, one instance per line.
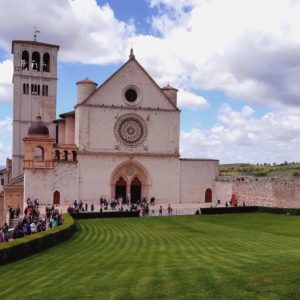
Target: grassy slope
x=247, y=256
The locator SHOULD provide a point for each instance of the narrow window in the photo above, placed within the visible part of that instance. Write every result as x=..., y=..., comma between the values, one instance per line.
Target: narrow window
x=27, y=88
x=46, y=62
x=35, y=61
x=25, y=60
x=24, y=88
x=66, y=155
x=45, y=90
x=2, y=181
x=74, y=155
x=57, y=155
x=38, y=89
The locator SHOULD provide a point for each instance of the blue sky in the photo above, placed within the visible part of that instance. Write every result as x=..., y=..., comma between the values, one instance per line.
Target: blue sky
x=236, y=65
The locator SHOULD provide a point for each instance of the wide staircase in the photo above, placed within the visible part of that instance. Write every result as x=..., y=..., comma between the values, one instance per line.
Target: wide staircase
x=13, y=222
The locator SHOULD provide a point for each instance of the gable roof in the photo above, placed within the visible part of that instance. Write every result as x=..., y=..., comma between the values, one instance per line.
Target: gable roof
x=131, y=58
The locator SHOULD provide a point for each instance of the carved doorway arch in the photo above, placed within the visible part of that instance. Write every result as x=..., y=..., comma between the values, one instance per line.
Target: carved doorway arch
x=131, y=172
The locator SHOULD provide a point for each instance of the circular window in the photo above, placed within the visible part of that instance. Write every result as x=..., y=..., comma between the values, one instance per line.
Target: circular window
x=130, y=130
x=131, y=95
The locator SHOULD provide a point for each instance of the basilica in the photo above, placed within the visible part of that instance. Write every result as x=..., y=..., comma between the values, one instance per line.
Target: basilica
x=121, y=139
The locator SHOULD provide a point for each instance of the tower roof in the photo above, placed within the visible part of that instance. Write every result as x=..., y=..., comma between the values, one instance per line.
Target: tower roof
x=86, y=81
x=38, y=128
x=169, y=87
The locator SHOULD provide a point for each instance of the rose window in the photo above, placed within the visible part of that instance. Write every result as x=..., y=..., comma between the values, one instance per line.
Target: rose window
x=130, y=130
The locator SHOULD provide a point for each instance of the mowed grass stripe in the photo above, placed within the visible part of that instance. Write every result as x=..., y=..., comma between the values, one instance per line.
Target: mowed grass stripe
x=196, y=257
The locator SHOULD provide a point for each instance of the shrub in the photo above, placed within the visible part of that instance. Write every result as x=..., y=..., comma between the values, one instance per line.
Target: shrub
x=296, y=173
x=37, y=242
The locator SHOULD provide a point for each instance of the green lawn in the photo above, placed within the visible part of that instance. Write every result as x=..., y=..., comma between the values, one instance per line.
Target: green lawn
x=244, y=256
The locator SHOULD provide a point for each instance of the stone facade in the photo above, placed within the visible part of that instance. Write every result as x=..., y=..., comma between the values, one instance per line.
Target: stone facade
x=122, y=139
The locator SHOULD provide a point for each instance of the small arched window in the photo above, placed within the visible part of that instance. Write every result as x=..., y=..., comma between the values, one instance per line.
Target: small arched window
x=25, y=60
x=35, y=61
x=46, y=62
x=39, y=154
x=57, y=155
x=65, y=155
x=208, y=195
x=74, y=155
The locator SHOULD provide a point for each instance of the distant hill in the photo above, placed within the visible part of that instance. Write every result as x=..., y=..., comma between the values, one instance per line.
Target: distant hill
x=267, y=170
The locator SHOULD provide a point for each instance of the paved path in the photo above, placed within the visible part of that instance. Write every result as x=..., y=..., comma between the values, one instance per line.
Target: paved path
x=178, y=209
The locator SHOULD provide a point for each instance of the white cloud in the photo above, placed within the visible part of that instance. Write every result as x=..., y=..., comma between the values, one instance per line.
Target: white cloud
x=5, y=152
x=86, y=32
x=248, y=49
x=6, y=71
x=6, y=125
x=5, y=139
x=241, y=137
x=190, y=100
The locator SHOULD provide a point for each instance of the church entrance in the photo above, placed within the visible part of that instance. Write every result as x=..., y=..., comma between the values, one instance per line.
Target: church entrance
x=130, y=180
x=121, y=189
x=56, y=198
x=136, y=190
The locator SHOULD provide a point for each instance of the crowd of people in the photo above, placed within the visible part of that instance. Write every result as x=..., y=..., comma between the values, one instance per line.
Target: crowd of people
x=144, y=206
x=31, y=222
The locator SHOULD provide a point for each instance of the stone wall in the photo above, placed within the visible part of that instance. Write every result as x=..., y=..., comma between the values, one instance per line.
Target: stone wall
x=260, y=191
x=13, y=196
x=42, y=184
x=196, y=176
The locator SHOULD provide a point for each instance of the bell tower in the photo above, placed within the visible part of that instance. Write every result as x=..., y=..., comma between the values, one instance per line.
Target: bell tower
x=34, y=92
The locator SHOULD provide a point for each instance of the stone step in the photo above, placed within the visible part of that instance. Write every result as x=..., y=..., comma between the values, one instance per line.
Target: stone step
x=13, y=222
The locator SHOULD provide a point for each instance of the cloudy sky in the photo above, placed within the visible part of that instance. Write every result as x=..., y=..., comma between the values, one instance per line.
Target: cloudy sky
x=236, y=64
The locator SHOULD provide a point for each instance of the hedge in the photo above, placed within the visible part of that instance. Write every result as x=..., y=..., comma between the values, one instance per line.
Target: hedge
x=228, y=210
x=108, y=214
x=279, y=210
x=31, y=244
x=247, y=209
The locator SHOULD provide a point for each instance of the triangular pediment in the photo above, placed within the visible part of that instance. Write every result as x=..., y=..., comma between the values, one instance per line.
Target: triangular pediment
x=131, y=76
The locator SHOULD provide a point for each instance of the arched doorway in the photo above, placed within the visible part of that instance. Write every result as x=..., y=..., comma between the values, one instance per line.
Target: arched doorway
x=135, y=190
x=56, y=198
x=129, y=170
x=121, y=189
x=208, y=195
